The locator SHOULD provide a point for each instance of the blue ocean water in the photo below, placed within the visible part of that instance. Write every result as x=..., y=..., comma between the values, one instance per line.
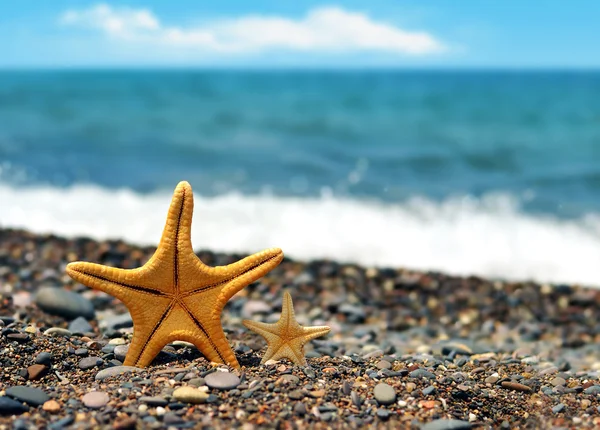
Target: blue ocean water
x=495, y=173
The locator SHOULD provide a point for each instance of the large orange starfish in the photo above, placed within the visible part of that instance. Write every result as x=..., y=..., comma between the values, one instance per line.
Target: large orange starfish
x=174, y=296
x=286, y=338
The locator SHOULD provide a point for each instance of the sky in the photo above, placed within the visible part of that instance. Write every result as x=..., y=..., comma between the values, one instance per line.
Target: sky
x=301, y=34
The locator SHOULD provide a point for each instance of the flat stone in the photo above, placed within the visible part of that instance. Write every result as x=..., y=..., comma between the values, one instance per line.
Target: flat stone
x=87, y=363
x=558, y=381
x=18, y=337
x=9, y=406
x=57, y=331
x=444, y=424
x=44, y=358
x=190, y=395
x=383, y=414
x=30, y=395
x=592, y=389
x=114, y=371
x=384, y=394
x=515, y=386
x=296, y=395
x=428, y=390
x=80, y=325
x=421, y=373
x=95, y=399
x=36, y=371
x=154, y=400
x=65, y=303
x=383, y=364
x=558, y=408
x=222, y=380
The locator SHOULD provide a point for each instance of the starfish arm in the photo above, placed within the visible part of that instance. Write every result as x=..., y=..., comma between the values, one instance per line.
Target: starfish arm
x=310, y=333
x=248, y=270
x=176, y=237
x=124, y=284
x=287, y=310
x=268, y=331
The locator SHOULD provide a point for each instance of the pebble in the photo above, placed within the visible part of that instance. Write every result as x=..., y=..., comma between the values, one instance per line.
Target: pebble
x=87, y=363
x=80, y=325
x=57, y=331
x=18, y=337
x=51, y=406
x=384, y=394
x=421, y=373
x=115, y=370
x=190, y=395
x=44, y=358
x=30, y=395
x=558, y=408
x=296, y=395
x=9, y=406
x=558, y=381
x=154, y=400
x=383, y=414
x=120, y=352
x=36, y=371
x=65, y=303
x=516, y=386
x=444, y=424
x=95, y=399
x=592, y=389
x=222, y=380
x=428, y=390
x=300, y=409
x=383, y=364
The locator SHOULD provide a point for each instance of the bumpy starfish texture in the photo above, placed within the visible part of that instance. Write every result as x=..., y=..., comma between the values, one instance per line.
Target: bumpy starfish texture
x=286, y=338
x=174, y=296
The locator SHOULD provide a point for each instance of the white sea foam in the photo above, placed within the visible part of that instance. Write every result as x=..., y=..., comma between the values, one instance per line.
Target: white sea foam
x=488, y=237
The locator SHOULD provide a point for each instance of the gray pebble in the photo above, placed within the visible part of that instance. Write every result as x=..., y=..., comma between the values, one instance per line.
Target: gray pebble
x=95, y=399
x=44, y=358
x=428, y=390
x=153, y=400
x=57, y=331
x=356, y=399
x=58, y=301
x=30, y=395
x=9, y=406
x=90, y=362
x=592, y=389
x=384, y=394
x=558, y=408
x=222, y=380
x=116, y=370
x=81, y=352
x=120, y=352
x=80, y=325
x=444, y=424
x=300, y=409
x=421, y=373
x=383, y=414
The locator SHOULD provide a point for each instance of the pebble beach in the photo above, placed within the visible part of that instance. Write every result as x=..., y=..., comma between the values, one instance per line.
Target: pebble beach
x=407, y=349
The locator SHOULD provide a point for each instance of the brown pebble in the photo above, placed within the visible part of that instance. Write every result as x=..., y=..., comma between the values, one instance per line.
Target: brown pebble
x=125, y=423
x=329, y=370
x=51, y=406
x=36, y=371
x=317, y=393
x=509, y=385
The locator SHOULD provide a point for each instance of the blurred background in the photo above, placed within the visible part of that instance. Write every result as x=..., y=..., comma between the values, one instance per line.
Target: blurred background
x=461, y=137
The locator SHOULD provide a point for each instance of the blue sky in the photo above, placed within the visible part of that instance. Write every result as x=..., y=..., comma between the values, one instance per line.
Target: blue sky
x=296, y=33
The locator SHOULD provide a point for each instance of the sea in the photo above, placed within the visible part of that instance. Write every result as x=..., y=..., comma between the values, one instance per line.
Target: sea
x=487, y=173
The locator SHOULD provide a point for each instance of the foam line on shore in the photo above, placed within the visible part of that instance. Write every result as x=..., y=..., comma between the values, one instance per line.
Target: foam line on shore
x=488, y=237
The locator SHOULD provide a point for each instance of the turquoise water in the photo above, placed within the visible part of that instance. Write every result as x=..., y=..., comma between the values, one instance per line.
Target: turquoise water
x=384, y=135
x=456, y=162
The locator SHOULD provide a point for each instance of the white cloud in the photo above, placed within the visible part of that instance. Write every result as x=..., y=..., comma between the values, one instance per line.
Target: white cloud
x=324, y=29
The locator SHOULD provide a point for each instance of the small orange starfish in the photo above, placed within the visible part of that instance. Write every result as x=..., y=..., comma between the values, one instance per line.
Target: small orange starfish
x=174, y=296
x=286, y=338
